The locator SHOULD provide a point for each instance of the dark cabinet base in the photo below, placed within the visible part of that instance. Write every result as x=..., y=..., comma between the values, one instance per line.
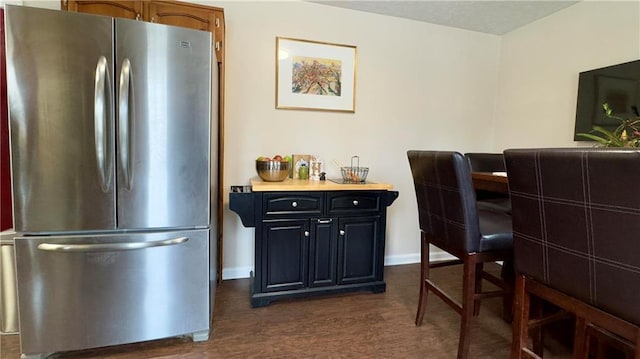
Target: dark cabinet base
x=311, y=243
x=263, y=299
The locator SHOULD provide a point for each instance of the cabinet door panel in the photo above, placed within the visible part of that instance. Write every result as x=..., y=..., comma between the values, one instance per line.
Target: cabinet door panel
x=322, y=254
x=359, y=250
x=124, y=9
x=284, y=254
x=193, y=16
x=183, y=15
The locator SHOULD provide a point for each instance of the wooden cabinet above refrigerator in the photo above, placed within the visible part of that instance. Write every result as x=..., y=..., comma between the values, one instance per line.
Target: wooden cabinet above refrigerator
x=193, y=16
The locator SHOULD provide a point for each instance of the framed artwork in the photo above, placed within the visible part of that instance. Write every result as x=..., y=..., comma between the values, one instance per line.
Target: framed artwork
x=312, y=75
x=298, y=160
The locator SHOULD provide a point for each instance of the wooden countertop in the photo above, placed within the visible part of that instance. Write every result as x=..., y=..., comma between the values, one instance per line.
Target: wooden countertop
x=258, y=185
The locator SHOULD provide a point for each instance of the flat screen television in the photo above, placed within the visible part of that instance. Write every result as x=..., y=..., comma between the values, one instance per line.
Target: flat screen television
x=617, y=85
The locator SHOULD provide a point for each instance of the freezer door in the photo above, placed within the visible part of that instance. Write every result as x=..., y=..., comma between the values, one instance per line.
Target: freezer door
x=59, y=71
x=80, y=292
x=163, y=125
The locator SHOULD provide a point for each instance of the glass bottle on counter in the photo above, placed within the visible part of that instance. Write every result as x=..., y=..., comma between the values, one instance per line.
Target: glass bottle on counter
x=303, y=172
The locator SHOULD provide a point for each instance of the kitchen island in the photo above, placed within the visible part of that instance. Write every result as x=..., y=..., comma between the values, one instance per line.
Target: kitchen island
x=314, y=237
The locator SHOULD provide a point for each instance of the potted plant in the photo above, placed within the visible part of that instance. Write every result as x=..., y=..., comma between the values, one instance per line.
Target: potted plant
x=627, y=134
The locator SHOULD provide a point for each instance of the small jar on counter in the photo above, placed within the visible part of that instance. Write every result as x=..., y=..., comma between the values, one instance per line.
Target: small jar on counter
x=303, y=172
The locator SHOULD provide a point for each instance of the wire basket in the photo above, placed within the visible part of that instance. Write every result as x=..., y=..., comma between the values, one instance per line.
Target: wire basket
x=354, y=173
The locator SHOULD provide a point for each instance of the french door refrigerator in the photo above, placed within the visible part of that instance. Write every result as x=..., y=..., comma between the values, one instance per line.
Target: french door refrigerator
x=110, y=125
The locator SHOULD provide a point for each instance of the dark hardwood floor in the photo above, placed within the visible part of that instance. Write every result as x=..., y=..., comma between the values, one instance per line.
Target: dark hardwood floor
x=360, y=325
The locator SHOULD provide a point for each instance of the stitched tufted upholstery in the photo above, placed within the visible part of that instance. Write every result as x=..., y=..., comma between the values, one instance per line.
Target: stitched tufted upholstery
x=449, y=219
x=447, y=204
x=576, y=220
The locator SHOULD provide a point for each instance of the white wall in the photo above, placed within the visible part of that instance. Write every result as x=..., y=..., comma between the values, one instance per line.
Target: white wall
x=540, y=63
x=419, y=86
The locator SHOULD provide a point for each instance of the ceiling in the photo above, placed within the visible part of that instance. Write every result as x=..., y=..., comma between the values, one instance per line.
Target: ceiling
x=488, y=16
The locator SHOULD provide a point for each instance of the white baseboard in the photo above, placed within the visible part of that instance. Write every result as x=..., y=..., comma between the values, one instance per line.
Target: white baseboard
x=402, y=259
x=236, y=272
x=435, y=256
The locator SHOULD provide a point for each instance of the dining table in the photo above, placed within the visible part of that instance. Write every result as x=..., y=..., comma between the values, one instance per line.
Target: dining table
x=491, y=181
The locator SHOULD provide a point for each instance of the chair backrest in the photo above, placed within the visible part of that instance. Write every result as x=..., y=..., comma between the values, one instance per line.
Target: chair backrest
x=576, y=223
x=486, y=162
x=446, y=200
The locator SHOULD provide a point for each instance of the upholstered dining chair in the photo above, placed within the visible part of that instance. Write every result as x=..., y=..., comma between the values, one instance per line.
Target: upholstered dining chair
x=448, y=219
x=489, y=162
x=576, y=223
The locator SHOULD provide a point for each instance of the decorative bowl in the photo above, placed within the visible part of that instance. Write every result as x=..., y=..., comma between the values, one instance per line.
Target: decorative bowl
x=273, y=171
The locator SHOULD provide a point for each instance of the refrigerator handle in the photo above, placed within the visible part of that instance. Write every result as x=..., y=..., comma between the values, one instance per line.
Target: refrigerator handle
x=101, y=114
x=109, y=247
x=125, y=120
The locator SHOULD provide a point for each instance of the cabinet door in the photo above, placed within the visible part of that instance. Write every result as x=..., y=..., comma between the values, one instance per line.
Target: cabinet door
x=192, y=16
x=125, y=8
x=284, y=254
x=359, y=250
x=322, y=252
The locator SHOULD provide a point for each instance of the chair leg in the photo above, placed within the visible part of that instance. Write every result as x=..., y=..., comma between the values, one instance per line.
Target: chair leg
x=520, y=330
x=508, y=276
x=478, y=288
x=424, y=275
x=536, y=310
x=468, y=300
x=580, y=340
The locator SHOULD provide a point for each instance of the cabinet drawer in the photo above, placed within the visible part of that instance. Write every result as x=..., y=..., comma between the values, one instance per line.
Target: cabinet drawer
x=292, y=203
x=353, y=202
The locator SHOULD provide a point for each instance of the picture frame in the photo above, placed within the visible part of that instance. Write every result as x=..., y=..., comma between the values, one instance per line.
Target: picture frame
x=297, y=160
x=314, y=75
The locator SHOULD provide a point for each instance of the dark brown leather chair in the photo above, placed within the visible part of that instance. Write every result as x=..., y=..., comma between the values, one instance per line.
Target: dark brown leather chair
x=576, y=223
x=489, y=162
x=449, y=220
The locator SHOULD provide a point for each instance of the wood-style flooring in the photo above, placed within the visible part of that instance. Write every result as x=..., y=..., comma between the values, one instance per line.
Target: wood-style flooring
x=358, y=325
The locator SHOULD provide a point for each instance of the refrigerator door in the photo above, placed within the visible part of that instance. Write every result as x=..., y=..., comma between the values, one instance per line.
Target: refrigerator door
x=60, y=118
x=80, y=292
x=163, y=121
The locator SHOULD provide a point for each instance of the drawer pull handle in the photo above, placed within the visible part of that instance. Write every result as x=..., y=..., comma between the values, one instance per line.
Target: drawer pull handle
x=324, y=220
x=294, y=204
x=109, y=247
x=355, y=202
x=306, y=233
x=342, y=232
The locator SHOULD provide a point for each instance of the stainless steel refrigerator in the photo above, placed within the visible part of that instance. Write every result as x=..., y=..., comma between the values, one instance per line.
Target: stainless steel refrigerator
x=111, y=148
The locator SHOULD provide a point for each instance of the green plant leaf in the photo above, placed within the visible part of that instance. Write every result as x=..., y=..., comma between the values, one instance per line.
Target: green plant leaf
x=594, y=138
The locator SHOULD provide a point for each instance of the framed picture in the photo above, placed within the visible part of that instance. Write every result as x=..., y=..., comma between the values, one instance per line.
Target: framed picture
x=312, y=75
x=299, y=160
